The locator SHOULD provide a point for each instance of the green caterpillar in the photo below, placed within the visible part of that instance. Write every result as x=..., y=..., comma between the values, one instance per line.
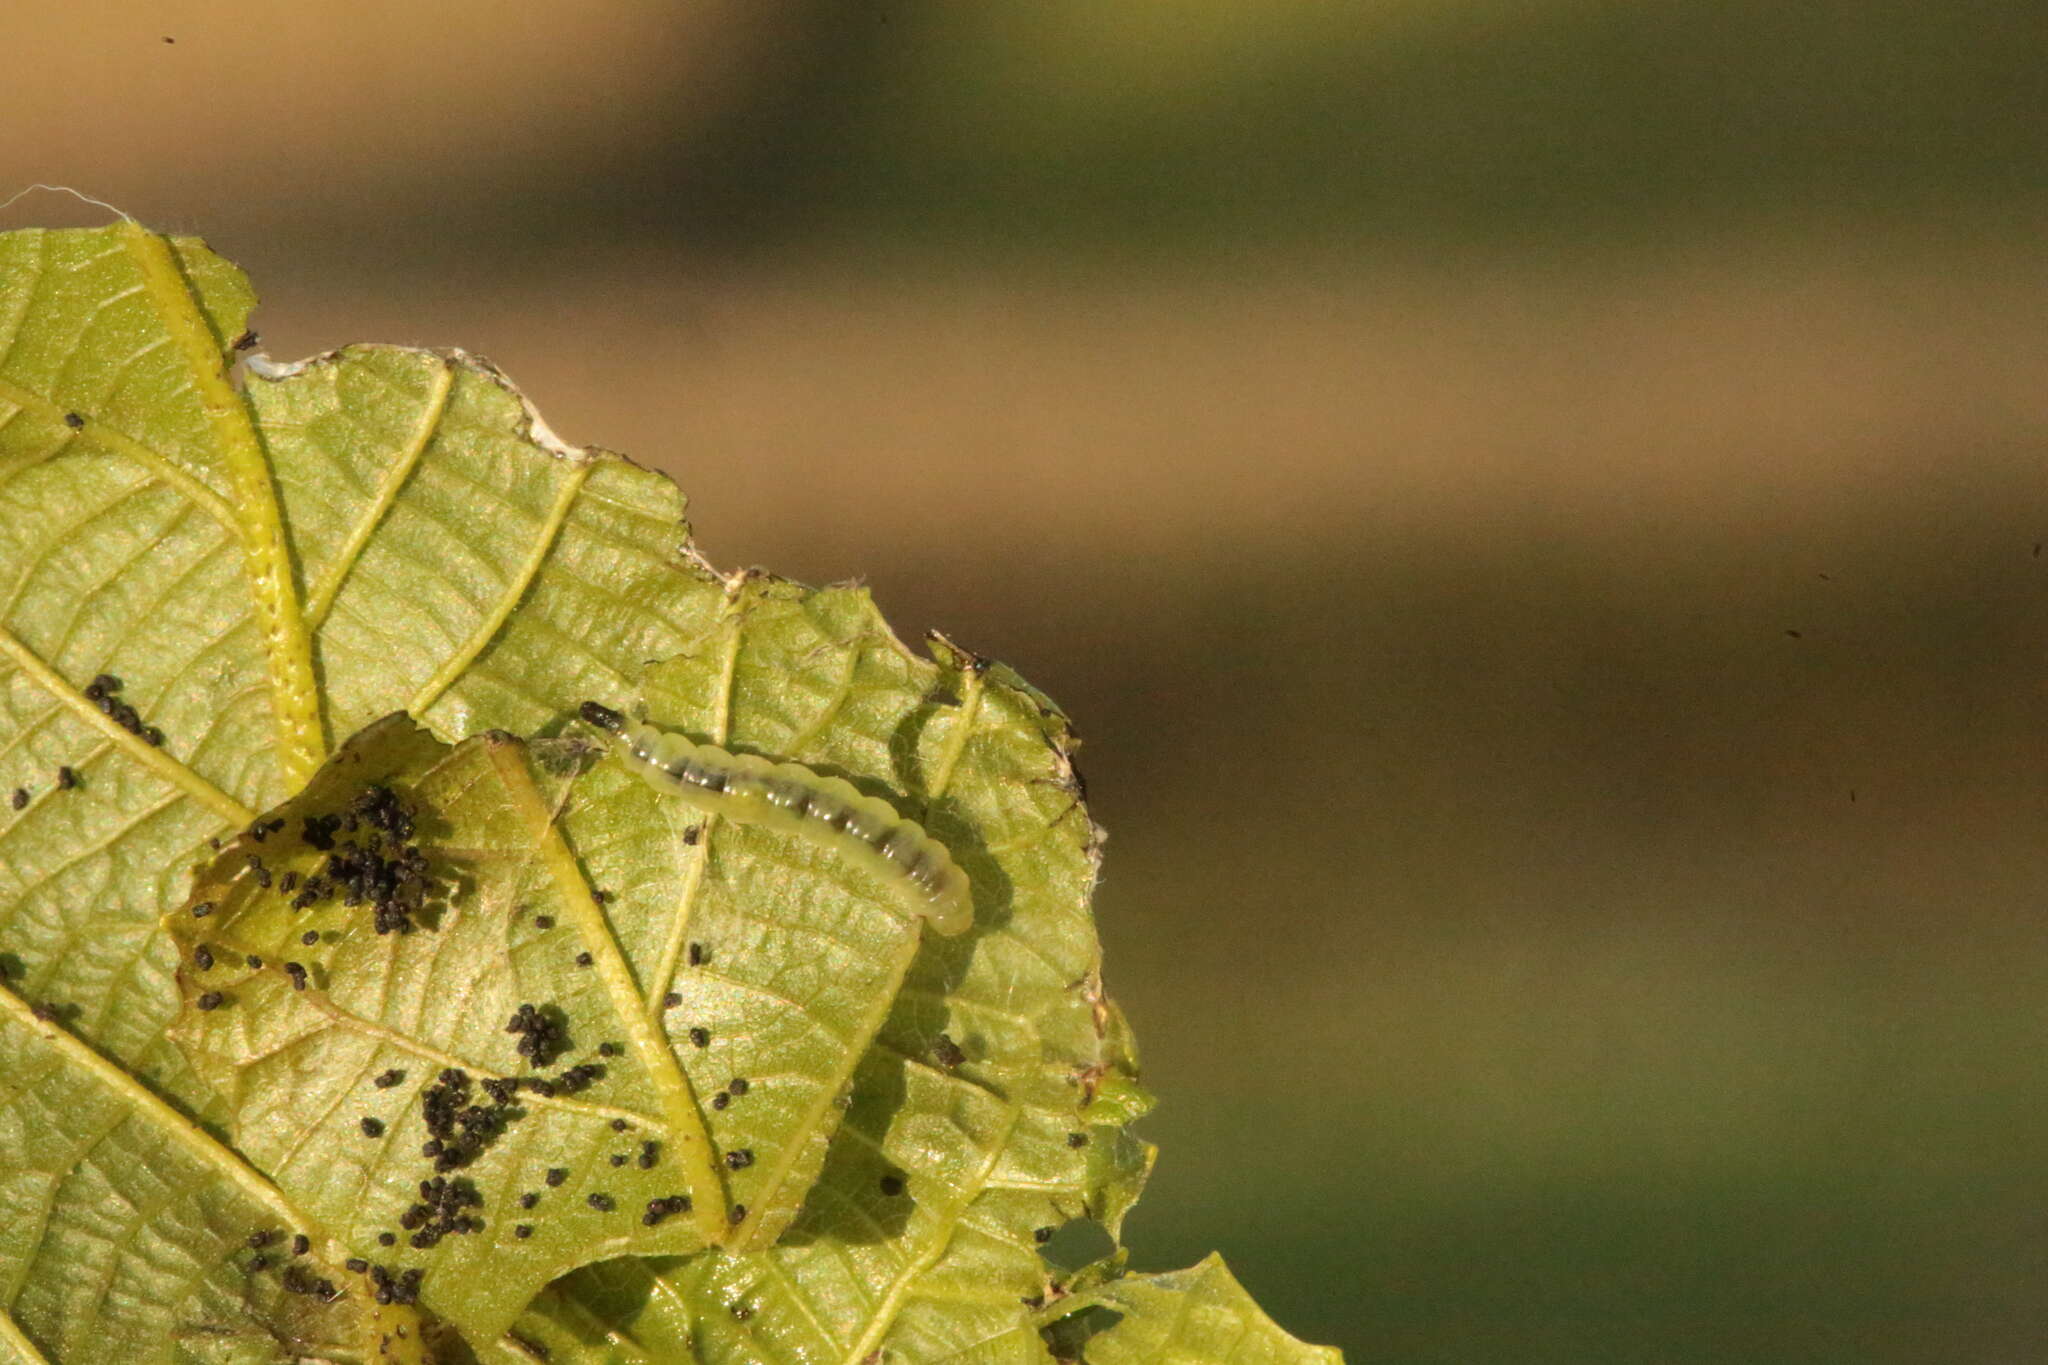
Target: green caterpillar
x=750, y=790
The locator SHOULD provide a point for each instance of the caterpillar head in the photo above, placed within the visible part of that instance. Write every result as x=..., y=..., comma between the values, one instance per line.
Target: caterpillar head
x=603, y=717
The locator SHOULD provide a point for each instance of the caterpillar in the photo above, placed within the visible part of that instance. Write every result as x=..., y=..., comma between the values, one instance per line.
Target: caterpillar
x=750, y=790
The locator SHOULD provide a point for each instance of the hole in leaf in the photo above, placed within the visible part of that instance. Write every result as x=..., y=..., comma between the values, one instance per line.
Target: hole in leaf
x=1068, y=1337
x=1077, y=1242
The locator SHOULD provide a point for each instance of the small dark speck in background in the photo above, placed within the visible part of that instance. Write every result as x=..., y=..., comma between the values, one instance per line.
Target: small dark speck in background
x=301, y=1244
x=211, y=1000
x=601, y=1202
x=372, y=1127
x=700, y=1037
x=66, y=779
x=584, y=959
x=892, y=1185
x=20, y=798
x=738, y=1085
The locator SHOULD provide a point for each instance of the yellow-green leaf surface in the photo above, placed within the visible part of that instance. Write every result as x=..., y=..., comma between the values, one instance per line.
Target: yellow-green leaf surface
x=331, y=1054
x=220, y=583
x=974, y=1130
x=1198, y=1316
x=125, y=1231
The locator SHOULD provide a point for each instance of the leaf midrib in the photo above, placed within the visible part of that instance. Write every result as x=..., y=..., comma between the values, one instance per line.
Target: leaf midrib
x=288, y=646
x=657, y=1060
x=24, y=1350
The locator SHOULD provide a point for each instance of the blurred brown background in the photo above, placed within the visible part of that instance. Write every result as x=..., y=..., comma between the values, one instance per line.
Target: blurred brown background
x=1535, y=507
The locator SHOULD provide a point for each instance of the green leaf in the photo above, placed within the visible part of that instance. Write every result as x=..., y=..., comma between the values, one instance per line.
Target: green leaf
x=878, y=1129
x=332, y=1055
x=125, y=1229
x=996, y=1093
x=1197, y=1316
x=121, y=553
x=515, y=927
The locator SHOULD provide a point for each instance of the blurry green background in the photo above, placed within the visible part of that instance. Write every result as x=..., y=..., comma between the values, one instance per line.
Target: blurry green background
x=1535, y=508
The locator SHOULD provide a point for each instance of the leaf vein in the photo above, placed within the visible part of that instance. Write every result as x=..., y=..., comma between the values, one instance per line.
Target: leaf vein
x=322, y=598
x=16, y=1340
x=33, y=286
x=947, y=1222
x=134, y=746
x=678, y=1101
x=144, y=1104
x=508, y=601
x=664, y=977
x=349, y=1021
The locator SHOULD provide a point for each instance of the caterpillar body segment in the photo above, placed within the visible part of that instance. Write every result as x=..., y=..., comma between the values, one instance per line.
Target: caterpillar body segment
x=751, y=790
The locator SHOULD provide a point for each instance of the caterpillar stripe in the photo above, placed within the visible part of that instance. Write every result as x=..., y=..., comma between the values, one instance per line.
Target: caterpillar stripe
x=750, y=790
